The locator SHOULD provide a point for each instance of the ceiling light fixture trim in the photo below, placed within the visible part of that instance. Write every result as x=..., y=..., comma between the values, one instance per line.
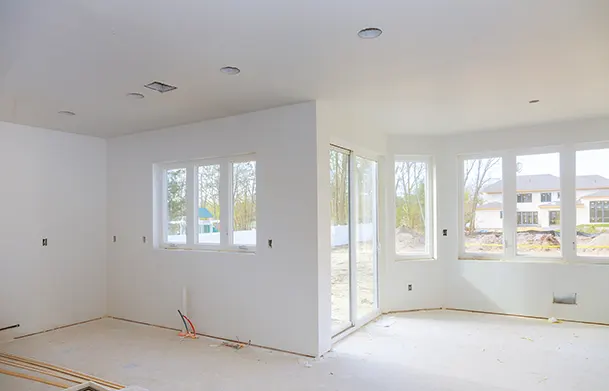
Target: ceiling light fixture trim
x=370, y=33
x=135, y=95
x=67, y=113
x=230, y=70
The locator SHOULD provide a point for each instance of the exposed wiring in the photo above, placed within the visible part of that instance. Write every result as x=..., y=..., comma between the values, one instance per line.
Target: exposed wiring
x=192, y=326
x=182, y=317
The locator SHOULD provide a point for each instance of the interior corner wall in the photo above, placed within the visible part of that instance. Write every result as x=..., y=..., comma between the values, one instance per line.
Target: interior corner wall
x=54, y=187
x=324, y=269
x=427, y=277
x=269, y=297
x=521, y=288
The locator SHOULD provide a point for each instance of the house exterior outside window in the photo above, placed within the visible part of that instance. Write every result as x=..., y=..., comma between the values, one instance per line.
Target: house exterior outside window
x=541, y=194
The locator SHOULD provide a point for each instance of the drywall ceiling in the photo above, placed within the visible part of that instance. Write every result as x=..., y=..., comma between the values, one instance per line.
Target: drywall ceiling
x=440, y=66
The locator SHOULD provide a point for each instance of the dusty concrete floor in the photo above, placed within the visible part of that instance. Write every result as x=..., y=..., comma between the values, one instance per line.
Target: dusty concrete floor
x=420, y=351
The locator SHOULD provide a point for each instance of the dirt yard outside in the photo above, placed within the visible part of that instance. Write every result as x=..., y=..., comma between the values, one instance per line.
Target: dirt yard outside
x=366, y=283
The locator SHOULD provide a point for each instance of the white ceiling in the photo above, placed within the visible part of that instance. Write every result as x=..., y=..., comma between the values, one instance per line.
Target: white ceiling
x=440, y=66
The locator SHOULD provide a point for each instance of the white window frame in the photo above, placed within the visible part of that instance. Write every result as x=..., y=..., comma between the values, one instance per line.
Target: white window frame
x=463, y=254
x=429, y=209
x=192, y=194
x=590, y=146
x=567, y=205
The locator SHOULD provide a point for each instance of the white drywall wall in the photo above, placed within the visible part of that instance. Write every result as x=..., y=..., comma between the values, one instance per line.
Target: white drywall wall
x=54, y=187
x=269, y=297
x=524, y=288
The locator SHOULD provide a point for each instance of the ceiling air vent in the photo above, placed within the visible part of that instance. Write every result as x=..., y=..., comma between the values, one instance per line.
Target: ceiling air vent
x=160, y=87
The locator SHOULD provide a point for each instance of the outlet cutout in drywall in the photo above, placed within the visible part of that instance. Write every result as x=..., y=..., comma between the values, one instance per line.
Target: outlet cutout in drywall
x=565, y=298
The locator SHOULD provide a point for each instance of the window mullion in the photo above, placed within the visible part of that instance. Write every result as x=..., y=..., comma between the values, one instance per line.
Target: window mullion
x=225, y=204
x=509, y=206
x=568, y=200
x=191, y=201
x=164, y=211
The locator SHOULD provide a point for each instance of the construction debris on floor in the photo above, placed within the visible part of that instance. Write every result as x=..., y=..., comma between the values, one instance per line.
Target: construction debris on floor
x=52, y=375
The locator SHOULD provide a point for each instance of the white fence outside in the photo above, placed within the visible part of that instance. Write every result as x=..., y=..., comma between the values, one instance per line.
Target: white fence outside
x=340, y=236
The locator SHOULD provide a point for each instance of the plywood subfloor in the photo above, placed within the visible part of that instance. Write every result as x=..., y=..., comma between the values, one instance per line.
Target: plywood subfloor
x=424, y=351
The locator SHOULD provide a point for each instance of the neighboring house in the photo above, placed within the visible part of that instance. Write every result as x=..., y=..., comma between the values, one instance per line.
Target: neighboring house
x=538, y=201
x=207, y=224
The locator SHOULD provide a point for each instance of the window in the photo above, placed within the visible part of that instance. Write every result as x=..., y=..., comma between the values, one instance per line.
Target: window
x=546, y=197
x=554, y=217
x=535, y=173
x=175, y=206
x=412, y=208
x=552, y=198
x=244, y=203
x=525, y=197
x=599, y=211
x=482, y=195
x=209, y=204
x=527, y=218
x=592, y=203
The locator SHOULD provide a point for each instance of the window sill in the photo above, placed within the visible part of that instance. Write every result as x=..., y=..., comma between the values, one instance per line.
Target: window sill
x=207, y=250
x=561, y=261
x=422, y=258
x=523, y=260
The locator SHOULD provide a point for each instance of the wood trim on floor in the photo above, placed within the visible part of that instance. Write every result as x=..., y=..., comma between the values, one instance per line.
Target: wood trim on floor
x=58, y=328
x=525, y=316
x=34, y=378
x=67, y=371
x=218, y=338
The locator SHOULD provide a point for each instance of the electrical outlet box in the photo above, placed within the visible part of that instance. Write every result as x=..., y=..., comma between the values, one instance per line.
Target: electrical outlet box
x=45, y=242
x=409, y=287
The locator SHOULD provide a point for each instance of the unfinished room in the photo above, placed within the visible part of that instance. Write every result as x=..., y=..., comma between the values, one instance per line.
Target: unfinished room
x=304, y=195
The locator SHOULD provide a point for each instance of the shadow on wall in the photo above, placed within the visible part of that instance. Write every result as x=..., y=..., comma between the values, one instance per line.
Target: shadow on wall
x=467, y=294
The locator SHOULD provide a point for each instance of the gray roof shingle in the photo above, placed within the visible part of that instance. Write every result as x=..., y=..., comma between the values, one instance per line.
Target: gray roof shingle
x=600, y=193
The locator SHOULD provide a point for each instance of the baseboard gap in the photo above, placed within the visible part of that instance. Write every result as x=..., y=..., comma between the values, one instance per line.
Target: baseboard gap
x=525, y=316
x=216, y=338
x=415, y=310
x=59, y=328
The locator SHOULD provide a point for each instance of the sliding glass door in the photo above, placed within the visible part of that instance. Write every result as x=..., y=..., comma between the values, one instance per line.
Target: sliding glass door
x=354, y=229
x=366, y=246
x=340, y=181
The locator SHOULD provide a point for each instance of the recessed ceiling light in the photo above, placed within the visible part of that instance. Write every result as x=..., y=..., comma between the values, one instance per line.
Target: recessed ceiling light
x=160, y=87
x=534, y=101
x=230, y=70
x=67, y=113
x=370, y=33
x=135, y=95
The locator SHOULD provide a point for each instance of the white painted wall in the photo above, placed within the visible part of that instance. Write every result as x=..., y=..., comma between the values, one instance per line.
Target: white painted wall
x=269, y=297
x=53, y=186
x=509, y=287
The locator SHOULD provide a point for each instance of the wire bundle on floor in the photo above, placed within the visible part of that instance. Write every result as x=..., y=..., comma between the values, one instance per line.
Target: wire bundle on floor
x=192, y=333
x=49, y=370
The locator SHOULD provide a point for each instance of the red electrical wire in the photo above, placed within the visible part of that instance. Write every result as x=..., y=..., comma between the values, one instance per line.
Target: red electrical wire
x=192, y=326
